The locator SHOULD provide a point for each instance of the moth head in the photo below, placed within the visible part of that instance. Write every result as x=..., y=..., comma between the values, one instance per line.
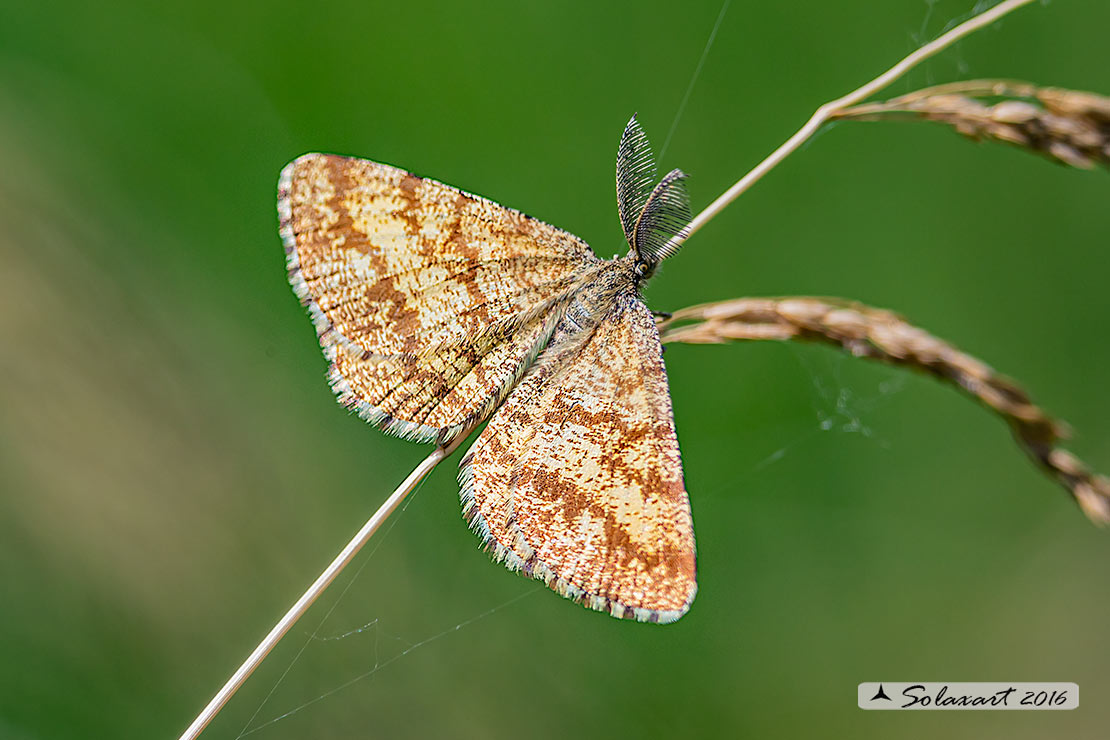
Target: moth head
x=654, y=215
x=643, y=269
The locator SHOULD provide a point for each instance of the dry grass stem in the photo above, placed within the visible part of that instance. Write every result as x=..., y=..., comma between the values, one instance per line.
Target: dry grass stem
x=884, y=336
x=317, y=588
x=1069, y=126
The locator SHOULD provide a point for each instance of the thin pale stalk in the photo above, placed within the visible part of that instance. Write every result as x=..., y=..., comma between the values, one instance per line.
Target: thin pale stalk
x=829, y=111
x=322, y=582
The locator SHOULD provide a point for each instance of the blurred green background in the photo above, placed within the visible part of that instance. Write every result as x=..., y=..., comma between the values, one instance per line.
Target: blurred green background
x=174, y=469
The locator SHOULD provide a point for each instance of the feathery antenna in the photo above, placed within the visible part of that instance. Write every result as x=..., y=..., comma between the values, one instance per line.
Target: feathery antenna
x=635, y=176
x=665, y=216
x=651, y=217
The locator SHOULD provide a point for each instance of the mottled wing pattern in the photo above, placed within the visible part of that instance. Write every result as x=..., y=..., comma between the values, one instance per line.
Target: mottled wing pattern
x=577, y=479
x=429, y=302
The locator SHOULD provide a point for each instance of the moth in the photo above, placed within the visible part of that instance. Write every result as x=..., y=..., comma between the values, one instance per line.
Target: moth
x=438, y=310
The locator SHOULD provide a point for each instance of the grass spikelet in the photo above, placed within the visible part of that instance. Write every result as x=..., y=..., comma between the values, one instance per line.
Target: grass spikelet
x=1069, y=126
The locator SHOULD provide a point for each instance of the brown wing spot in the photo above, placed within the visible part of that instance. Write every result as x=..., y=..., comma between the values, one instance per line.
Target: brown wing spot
x=408, y=185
